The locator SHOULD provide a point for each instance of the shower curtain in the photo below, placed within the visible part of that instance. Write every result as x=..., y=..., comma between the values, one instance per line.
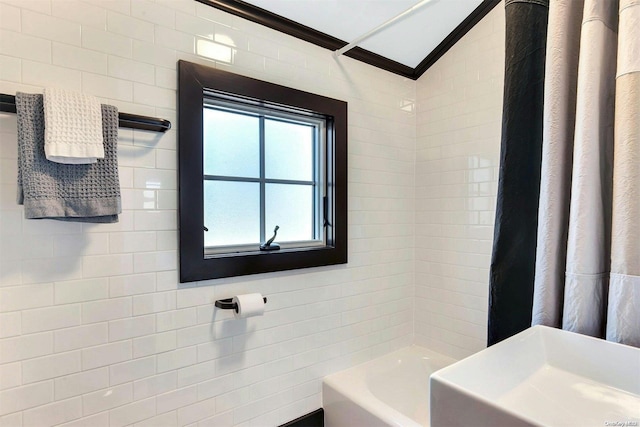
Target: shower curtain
x=513, y=258
x=589, y=211
x=567, y=239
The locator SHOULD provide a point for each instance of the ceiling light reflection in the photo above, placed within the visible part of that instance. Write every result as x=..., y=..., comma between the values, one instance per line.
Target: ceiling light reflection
x=407, y=105
x=215, y=51
x=224, y=39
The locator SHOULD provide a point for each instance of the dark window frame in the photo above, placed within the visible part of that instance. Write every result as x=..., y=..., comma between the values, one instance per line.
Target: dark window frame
x=194, y=80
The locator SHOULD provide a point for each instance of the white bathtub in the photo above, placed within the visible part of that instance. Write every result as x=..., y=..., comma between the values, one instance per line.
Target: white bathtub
x=392, y=390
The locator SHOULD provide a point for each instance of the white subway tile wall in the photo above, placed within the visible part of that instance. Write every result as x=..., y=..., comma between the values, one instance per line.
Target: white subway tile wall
x=95, y=328
x=457, y=158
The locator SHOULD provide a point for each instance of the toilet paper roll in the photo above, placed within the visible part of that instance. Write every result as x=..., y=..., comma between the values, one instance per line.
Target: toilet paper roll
x=249, y=305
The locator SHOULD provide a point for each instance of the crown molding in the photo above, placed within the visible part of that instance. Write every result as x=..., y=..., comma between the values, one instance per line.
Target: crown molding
x=295, y=29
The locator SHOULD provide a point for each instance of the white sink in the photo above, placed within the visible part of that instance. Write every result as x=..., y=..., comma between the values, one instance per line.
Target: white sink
x=540, y=377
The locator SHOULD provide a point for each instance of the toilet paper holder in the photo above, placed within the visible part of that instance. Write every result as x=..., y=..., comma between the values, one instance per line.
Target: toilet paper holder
x=228, y=304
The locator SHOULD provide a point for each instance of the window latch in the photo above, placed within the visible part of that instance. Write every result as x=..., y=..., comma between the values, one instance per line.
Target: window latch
x=325, y=213
x=269, y=245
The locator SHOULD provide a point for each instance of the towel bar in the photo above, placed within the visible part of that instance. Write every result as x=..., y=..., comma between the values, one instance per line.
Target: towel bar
x=131, y=121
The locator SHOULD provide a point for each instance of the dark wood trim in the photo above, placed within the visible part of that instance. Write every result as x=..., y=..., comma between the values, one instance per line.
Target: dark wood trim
x=295, y=29
x=276, y=22
x=470, y=21
x=193, y=80
x=312, y=419
x=380, y=61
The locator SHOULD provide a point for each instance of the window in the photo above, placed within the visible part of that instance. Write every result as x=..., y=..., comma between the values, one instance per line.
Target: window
x=266, y=165
x=255, y=156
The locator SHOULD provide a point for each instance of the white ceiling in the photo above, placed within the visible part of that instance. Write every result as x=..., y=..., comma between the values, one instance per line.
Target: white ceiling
x=407, y=41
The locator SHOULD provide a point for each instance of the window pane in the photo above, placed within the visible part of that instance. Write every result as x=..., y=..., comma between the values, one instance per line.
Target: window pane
x=231, y=144
x=231, y=213
x=288, y=151
x=290, y=207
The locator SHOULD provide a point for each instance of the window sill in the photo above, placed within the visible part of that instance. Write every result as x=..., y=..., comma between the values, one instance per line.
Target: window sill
x=245, y=263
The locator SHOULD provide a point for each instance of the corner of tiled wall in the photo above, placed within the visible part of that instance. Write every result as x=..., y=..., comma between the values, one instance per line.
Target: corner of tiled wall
x=457, y=157
x=95, y=329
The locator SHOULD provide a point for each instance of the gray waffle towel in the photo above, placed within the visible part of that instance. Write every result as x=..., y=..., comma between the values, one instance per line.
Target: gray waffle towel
x=85, y=193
